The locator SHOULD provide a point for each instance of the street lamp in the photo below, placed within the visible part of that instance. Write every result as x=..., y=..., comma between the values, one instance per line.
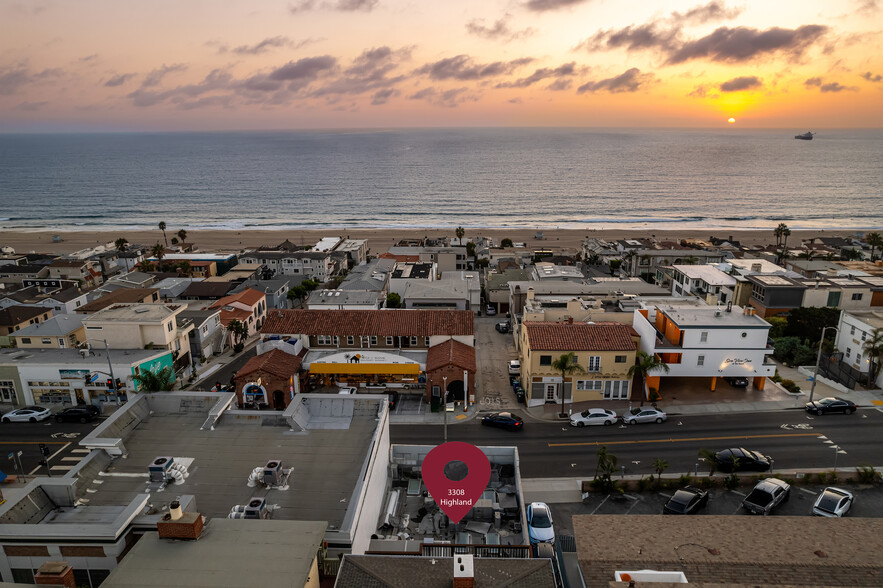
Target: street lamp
x=445, y=405
x=819, y=362
x=837, y=451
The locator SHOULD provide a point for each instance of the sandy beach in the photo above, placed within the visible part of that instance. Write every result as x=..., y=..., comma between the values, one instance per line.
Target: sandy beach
x=379, y=240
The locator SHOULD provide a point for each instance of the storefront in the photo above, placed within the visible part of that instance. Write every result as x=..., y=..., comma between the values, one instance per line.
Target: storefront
x=363, y=369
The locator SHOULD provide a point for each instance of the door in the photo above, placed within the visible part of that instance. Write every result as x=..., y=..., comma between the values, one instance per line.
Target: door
x=278, y=400
x=551, y=390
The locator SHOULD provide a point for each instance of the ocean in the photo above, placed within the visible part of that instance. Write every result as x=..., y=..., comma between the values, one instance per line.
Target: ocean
x=477, y=178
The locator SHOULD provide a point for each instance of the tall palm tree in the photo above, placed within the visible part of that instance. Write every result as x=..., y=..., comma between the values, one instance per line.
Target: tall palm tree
x=150, y=381
x=566, y=365
x=644, y=364
x=185, y=268
x=182, y=234
x=158, y=251
x=145, y=266
x=122, y=246
x=876, y=242
x=873, y=347
x=778, y=231
x=459, y=231
x=162, y=227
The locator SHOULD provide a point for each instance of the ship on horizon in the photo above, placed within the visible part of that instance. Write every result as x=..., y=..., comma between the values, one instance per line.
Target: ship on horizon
x=807, y=136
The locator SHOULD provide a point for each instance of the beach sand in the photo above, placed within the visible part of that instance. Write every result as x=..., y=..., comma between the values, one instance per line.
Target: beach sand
x=379, y=240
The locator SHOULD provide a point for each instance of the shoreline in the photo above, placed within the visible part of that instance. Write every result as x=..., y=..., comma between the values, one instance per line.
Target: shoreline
x=380, y=239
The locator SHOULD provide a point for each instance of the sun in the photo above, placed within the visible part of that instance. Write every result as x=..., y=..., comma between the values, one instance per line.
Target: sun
x=731, y=120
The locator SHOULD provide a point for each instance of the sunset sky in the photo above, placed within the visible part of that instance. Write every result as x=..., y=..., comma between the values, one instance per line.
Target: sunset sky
x=107, y=65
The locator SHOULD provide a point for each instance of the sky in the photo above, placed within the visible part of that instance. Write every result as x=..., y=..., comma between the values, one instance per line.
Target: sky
x=175, y=65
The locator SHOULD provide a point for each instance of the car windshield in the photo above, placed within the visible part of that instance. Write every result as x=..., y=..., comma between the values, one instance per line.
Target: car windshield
x=829, y=501
x=541, y=519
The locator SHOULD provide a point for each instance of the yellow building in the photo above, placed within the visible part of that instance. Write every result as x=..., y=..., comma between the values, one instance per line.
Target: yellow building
x=603, y=351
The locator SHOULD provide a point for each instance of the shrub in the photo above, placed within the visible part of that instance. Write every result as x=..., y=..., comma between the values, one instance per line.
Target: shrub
x=789, y=481
x=731, y=482
x=866, y=474
x=790, y=386
x=644, y=484
x=776, y=377
x=685, y=480
x=831, y=478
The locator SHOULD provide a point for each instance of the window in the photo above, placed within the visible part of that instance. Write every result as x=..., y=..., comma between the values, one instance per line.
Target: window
x=426, y=341
x=700, y=360
x=589, y=384
x=413, y=341
x=26, y=340
x=620, y=359
x=350, y=340
x=833, y=299
x=389, y=341
x=857, y=296
x=703, y=337
x=170, y=327
x=864, y=335
x=373, y=339
x=47, y=341
x=848, y=352
x=323, y=339
x=545, y=360
x=595, y=363
x=852, y=330
x=616, y=389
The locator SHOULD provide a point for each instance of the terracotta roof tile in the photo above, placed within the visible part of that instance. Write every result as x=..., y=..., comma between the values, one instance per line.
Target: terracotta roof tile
x=451, y=352
x=274, y=362
x=405, y=323
x=249, y=297
x=580, y=337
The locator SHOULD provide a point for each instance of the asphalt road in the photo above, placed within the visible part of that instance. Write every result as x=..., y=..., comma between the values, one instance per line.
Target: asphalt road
x=793, y=439
x=60, y=438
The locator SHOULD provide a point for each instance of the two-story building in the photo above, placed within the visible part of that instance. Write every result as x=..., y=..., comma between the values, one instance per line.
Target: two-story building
x=15, y=318
x=249, y=307
x=318, y=266
x=705, y=343
x=85, y=271
x=604, y=351
x=64, y=331
x=855, y=329
x=62, y=299
x=703, y=281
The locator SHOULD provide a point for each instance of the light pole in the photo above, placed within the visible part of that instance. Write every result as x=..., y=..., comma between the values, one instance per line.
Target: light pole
x=837, y=451
x=819, y=362
x=445, y=405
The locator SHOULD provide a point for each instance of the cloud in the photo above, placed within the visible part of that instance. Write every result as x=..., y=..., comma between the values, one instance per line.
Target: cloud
x=872, y=77
x=629, y=81
x=369, y=71
x=381, y=96
x=560, y=85
x=633, y=38
x=263, y=46
x=448, y=98
x=462, y=67
x=216, y=80
x=867, y=7
x=836, y=87
x=813, y=82
x=118, y=80
x=546, y=5
x=156, y=76
x=339, y=5
x=30, y=106
x=303, y=71
x=568, y=69
x=516, y=100
x=89, y=58
x=741, y=83
x=713, y=11
x=500, y=30
x=741, y=44
x=18, y=76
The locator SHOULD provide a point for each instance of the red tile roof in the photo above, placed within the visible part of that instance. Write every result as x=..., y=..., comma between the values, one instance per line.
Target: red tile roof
x=249, y=297
x=405, y=323
x=451, y=352
x=228, y=316
x=274, y=362
x=580, y=337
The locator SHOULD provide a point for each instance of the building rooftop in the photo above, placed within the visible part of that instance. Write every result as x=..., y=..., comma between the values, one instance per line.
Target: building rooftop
x=550, y=271
x=34, y=295
x=712, y=316
x=776, y=281
x=411, y=323
x=57, y=326
x=451, y=352
x=580, y=336
x=754, y=265
x=72, y=356
x=14, y=315
x=140, y=312
x=120, y=295
x=707, y=273
x=331, y=297
x=248, y=297
x=872, y=317
x=195, y=256
x=413, y=270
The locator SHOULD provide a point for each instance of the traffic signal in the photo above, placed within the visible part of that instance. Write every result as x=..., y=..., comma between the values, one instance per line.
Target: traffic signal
x=119, y=384
x=87, y=379
x=44, y=451
x=109, y=384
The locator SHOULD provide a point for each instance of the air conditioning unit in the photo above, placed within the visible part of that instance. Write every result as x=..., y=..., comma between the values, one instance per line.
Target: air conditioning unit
x=273, y=475
x=158, y=470
x=256, y=508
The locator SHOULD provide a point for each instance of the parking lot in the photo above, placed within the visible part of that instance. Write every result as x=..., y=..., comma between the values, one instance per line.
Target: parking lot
x=868, y=503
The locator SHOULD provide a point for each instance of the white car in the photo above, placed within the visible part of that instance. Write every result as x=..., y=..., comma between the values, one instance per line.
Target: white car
x=515, y=367
x=539, y=523
x=28, y=414
x=644, y=415
x=833, y=502
x=593, y=416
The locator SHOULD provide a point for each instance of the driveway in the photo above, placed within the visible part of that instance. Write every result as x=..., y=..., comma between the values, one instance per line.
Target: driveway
x=493, y=351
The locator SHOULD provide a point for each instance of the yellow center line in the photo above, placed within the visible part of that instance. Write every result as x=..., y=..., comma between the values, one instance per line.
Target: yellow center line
x=672, y=440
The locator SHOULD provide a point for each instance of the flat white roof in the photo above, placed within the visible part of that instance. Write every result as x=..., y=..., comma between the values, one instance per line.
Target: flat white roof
x=326, y=243
x=707, y=273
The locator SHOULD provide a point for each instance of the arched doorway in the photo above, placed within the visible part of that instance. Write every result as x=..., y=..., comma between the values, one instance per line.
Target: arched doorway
x=278, y=400
x=456, y=391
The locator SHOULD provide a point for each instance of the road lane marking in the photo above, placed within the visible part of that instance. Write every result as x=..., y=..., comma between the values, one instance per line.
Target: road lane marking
x=685, y=439
x=81, y=450
x=61, y=468
x=76, y=459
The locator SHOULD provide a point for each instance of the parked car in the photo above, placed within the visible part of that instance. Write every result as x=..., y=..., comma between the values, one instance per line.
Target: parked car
x=739, y=382
x=490, y=310
x=515, y=367
x=831, y=405
x=641, y=414
x=502, y=327
x=539, y=523
x=687, y=500
x=503, y=420
x=74, y=414
x=593, y=416
x=740, y=460
x=833, y=502
x=519, y=394
x=28, y=414
x=767, y=495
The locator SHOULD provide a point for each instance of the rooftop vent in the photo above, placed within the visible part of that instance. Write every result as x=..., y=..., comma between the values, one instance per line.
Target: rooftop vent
x=159, y=468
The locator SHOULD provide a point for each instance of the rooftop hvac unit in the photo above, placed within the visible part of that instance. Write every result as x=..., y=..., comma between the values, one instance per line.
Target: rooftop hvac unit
x=256, y=508
x=158, y=469
x=273, y=473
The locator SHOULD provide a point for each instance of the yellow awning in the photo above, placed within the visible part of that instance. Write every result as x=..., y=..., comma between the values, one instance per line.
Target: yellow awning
x=365, y=368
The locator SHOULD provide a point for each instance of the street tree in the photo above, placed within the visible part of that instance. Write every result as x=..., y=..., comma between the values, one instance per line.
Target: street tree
x=566, y=365
x=162, y=227
x=644, y=364
x=239, y=331
x=155, y=381
x=873, y=348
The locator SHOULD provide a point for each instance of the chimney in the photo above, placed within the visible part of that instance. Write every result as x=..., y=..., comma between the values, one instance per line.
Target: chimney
x=464, y=577
x=55, y=573
x=175, y=511
x=179, y=525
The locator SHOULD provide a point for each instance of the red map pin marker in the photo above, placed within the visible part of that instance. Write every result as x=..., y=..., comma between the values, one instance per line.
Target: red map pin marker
x=456, y=498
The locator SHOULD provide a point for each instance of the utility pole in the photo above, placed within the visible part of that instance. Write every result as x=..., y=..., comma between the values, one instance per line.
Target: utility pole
x=116, y=391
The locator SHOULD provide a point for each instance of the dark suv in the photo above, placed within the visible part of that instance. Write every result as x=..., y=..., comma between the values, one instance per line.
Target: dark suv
x=76, y=414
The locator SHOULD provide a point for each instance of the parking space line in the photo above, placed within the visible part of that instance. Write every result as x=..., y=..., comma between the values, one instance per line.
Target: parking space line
x=807, y=491
x=606, y=498
x=739, y=493
x=685, y=439
x=61, y=468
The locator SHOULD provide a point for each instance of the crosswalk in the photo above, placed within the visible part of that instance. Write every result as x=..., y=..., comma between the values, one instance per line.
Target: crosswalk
x=68, y=463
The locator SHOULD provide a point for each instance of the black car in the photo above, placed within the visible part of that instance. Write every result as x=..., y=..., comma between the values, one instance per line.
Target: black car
x=737, y=382
x=829, y=405
x=502, y=327
x=75, y=414
x=519, y=394
x=687, y=500
x=738, y=459
x=504, y=420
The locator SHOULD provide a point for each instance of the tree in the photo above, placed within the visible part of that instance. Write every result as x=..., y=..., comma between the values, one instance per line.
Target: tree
x=566, y=365
x=807, y=322
x=779, y=232
x=507, y=242
x=873, y=347
x=393, y=300
x=158, y=251
x=615, y=264
x=809, y=254
x=604, y=471
x=158, y=381
x=708, y=456
x=482, y=262
x=239, y=330
x=777, y=326
x=174, y=240
x=470, y=249
x=459, y=231
x=310, y=285
x=185, y=268
x=659, y=466
x=162, y=227
x=876, y=243
x=145, y=266
x=297, y=293
x=122, y=245
x=644, y=364
x=182, y=234
x=786, y=232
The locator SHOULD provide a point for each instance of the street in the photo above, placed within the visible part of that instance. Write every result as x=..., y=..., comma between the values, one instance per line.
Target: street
x=60, y=438
x=793, y=439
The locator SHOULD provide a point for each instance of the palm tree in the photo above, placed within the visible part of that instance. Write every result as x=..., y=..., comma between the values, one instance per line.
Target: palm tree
x=182, y=234
x=459, y=231
x=809, y=254
x=239, y=330
x=145, y=266
x=150, y=381
x=122, y=246
x=784, y=233
x=566, y=364
x=778, y=231
x=876, y=242
x=185, y=268
x=660, y=465
x=708, y=455
x=873, y=347
x=158, y=251
x=162, y=227
x=644, y=364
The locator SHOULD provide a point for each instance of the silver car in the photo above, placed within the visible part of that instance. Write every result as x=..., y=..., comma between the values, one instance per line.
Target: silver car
x=28, y=414
x=593, y=416
x=644, y=415
x=833, y=502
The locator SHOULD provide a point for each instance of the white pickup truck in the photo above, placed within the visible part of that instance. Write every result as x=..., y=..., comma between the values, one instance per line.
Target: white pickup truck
x=768, y=494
